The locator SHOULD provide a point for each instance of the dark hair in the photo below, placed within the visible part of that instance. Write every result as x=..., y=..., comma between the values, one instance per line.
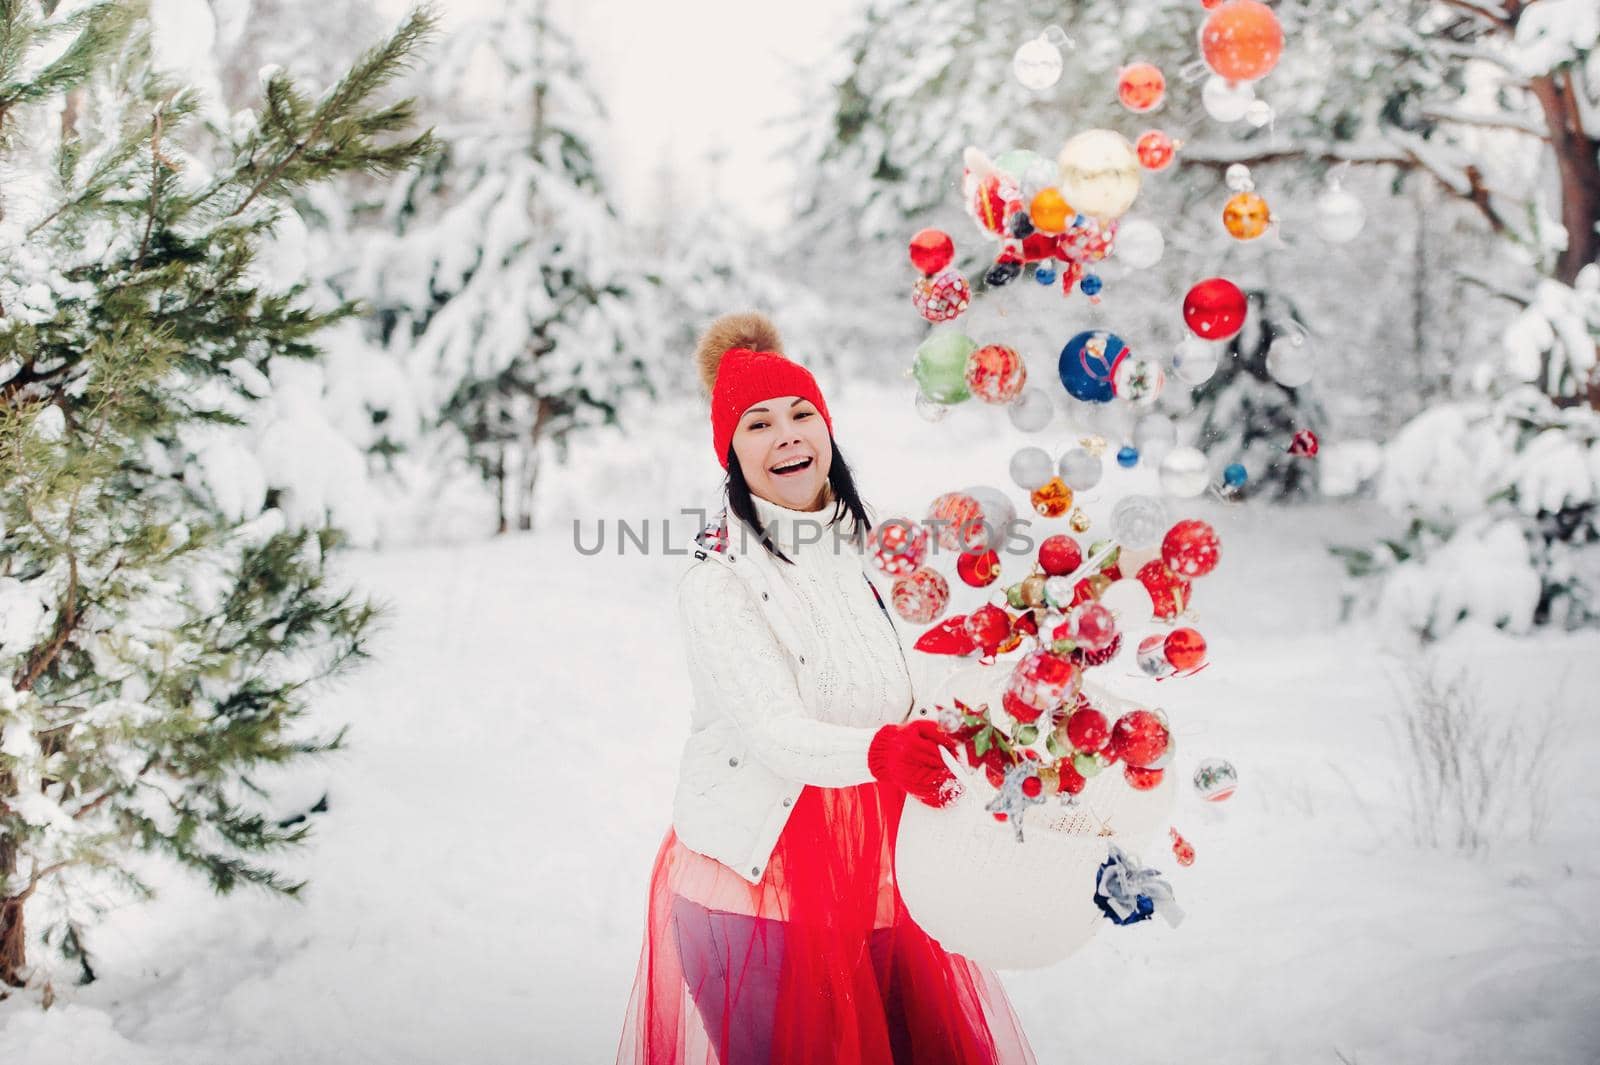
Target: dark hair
x=845, y=499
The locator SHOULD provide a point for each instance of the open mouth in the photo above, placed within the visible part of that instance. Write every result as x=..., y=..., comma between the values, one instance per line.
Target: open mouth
x=790, y=468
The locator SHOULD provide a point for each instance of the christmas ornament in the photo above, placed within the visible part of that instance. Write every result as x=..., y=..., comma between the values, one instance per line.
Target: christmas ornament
x=1215, y=779
x=1037, y=64
x=1099, y=173
x=979, y=570
x=1156, y=150
x=1235, y=475
x=1191, y=548
x=1031, y=411
x=920, y=596
x=1032, y=590
x=897, y=546
x=1018, y=163
x=1059, y=555
x=1169, y=593
x=929, y=410
x=1195, y=360
x=992, y=197
x=1139, y=737
x=1184, y=472
x=1090, y=285
x=988, y=627
x=1259, y=113
x=998, y=517
x=942, y=297
x=1049, y=211
x=1289, y=361
x=1142, y=778
x=1246, y=216
x=1014, y=798
x=1241, y=40
x=1141, y=87
x=1224, y=101
x=1127, y=456
x=1340, y=216
x=1093, y=626
x=1152, y=657
x=1031, y=467
x=1043, y=679
x=949, y=637
x=1139, y=381
x=1088, y=363
x=995, y=373
x=1214, y=309
x=1079, y=521
x=1079, y=469
x=941, y=366
x=1060, y=593
x=931, y=251
x=1128, y=893
x=955, y=516
x=1045, y=273
x=1088, y=730
x=1304, y=444
x=1237, y=178
x=1181, y=849
x=1052, y=499
x=1185, y=648
x=1139, y=244
x=1137, y=521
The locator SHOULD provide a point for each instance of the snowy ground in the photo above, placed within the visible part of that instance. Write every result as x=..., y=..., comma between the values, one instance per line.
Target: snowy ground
x=478, y=883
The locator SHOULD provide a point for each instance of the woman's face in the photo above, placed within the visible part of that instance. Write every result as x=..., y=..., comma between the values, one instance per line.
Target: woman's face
x=783, y=448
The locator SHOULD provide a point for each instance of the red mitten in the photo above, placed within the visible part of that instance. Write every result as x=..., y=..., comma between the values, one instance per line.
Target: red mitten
x=907, y=757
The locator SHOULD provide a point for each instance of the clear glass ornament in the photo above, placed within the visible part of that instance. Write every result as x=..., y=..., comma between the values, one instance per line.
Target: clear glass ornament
x=1259, y=113
x=1195, y=360
x=1226, y=102
x=1079, y=469
x=1138, y=521
x=1238, y=178
x=1340, y=216
x=930, y=410
x=1037, y=64
x=1031, y=411
x=1031, y=467
x=1290, y=361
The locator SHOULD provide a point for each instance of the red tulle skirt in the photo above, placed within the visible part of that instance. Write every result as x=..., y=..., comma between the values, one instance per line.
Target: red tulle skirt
x=818, y=963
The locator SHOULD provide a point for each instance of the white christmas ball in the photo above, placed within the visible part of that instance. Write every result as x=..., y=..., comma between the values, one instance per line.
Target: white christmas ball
x=1154, y=435
x=1185, y=472
x=1128, y=599
x=1139, y=381
x=1195, y=360
x=1259, y=113
x=1138, y=521
x=1079, y=470
x=1037, y=64
x=1340, y=216
x=1031, y=411
x=1139, y=244
x=930, y=410
x=1237, y=178
x=1289, y=362
x=1225, y=102
x=1100, y=173
x=1031, y=467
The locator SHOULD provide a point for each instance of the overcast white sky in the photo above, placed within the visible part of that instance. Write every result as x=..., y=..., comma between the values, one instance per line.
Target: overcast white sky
x=689, y=77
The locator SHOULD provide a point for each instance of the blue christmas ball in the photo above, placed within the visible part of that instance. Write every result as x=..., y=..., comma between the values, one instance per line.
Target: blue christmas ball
x=1087, y=364
x=1235, y=475
x=1091, y=284
x=1127, y=456
x=1045, y=275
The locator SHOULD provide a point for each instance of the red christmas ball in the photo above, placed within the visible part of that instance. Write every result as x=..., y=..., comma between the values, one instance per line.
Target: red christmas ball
x=1304, y=443
x=1191, y=548
x=1215, y=309
x=932, y=250
x=988, y=626
x=1088, y=730
x=1060, y=555
x=978, y=570
x=1141, y=87
x=1242, y=40
x=1155, y=150
x=1139, y=737
x=1032, y=787
x=1168, y=591
x=1025, y=713
x=1142, y=779
x=1185, y=648
x=1072, y=781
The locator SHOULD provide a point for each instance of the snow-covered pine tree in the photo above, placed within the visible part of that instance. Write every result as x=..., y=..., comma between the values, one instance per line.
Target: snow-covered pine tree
x=158, y=652
x=508, y=283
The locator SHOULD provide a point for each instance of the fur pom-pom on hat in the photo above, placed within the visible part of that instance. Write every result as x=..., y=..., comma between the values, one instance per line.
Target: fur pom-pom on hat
x=751, y=330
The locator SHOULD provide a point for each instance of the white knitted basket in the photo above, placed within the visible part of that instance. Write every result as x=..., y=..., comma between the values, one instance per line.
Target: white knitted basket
x=970, y=885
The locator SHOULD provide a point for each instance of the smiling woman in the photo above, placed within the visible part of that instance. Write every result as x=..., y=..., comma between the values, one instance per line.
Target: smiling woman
x=775, y=928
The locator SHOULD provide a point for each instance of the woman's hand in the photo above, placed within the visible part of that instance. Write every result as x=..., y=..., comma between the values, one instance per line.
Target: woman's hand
x=907, y=757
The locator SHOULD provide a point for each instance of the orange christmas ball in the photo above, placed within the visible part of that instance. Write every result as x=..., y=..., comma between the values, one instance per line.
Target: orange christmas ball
x=1050, y=211
x=1242, y=40
x=1141, y=87
x=1246, y=216
x=1155, y=149
x=1053, y=498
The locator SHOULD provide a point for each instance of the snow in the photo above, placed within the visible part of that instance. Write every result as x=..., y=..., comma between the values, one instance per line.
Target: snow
x=477, y=886
x=1551, y=33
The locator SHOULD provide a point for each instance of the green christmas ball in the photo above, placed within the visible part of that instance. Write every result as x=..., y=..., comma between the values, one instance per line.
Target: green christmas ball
x=1086, y=764
x=941, y=366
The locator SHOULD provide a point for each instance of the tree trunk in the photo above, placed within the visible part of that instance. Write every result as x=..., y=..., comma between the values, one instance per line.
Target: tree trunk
x=503, y=523
x=531, y=463
x=13, y=942
x=1578, y=167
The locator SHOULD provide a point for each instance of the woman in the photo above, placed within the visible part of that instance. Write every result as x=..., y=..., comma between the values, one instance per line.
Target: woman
x=775, y=931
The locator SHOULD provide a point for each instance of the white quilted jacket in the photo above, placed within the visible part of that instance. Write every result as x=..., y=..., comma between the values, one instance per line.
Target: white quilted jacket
x=793, y=669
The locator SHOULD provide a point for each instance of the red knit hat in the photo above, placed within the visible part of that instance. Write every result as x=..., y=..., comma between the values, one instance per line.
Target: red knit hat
x=741, y=363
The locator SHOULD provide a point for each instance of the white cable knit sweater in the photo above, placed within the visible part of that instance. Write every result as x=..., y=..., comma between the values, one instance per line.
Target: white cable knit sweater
x=793, y=668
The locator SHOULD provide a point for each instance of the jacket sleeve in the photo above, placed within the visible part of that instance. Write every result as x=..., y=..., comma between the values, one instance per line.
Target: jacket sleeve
x=738, y=664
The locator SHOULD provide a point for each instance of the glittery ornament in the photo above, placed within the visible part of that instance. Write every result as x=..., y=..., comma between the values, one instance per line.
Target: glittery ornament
x=1138, y=521
x=1304, y=444
x=1031, y=467
x=1141, y=87
x=979, y=570
x=1020, y=709
x=1141, y=779
x=921, y=595
x=1155, y=150
x=1044, y=679
x=1079, y=521
x=1093, y=626
x=1152, y=657
x=1181, y=848
x=1191, y=548
x=941, y=366
x=1032, y=590
x=953, y=515
x=931, y=251
x=1215, y=309
x=1246, y=216
x=988, y=626
x=1079, y=469
x=897, y=546
x=1069, y=780
x=1169, y=593
x=1241, y=40
x=1059, y=592
x=1059, y=555
x=1139, y=737
x=1031, y=411
x=1215, y=779
x=1088, y=730
x=995, y=373
x=1138, y=381
x=1052, y=499
x=1094, y=445
x=1086, y=658
x=941, y=298
x=1184, y=472
x=1185, y=648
